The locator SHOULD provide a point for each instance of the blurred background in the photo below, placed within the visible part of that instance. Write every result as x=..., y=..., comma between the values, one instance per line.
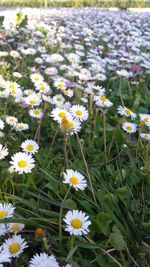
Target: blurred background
x=123, y=4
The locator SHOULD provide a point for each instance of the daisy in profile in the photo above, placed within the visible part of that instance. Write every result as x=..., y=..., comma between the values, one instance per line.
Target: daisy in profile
x=70, y=125
x=77, y=222
x=6, y=210
x=30, y=146
x=79, y=112
x=144, y=120
x=22, y=162
x=129, y=127
x=15, y=227
x=11, y=120
x=43, y=260
x=36, y=113
x=126, y=112
x=1, y=125
x=3, y=229
x=59, y=113
x=3, y=152
x=145, y=136
x=4, y=256
x=75, y=179
x=14, y=245
x=20, y=126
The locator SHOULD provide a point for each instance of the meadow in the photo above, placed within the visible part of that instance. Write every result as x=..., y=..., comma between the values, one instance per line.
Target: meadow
x=75, y=138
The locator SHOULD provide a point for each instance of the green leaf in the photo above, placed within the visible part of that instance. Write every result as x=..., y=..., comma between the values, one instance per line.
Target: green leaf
x=116, y=239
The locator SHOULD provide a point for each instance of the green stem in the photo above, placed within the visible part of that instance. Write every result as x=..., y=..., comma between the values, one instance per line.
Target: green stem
x=60, y=215
x=65, y=151
x=86, y=167
x=122, y=103
x=104, y=135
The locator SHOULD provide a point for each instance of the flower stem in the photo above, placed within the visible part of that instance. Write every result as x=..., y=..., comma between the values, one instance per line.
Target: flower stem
x=104, y=135
x=65, y=151
x=60, y=215
x=86, y=167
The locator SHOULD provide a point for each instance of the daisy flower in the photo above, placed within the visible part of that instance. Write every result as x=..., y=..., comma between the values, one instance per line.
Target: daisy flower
x=3, y=229
x=70, y=125
x=4, y=256
x=15, y=227
x=36, y=78
x=101, y=76
x=126, y=112
x=36, y=113
x=30, y=146
x=145, y=136
x=43, y=87
x=75, y=179
x=11, y=120
x=56, y=58
x=14, y=245
x=103, y=102
x=129, y=127
x=58, y=100
x=59, y=113
x=22, y=162
x=6, y=210
x=145, y=119
x=79, y=112
x=20, y=126
x=3, y=152
x=33, y=100
x=13, y=89
x=43, y=260
x=77, y=222
x=1, y=125
x=60, y=84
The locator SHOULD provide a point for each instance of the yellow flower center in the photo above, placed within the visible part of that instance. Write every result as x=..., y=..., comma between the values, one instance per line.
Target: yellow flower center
x=127, y=111
x=3, y=213
x=60, y=85
x=103, y=98
x=42, y=87
x=36, y=78
x=11, y=120
x=62, y=114
x=14, y=248
x=15, y=228
x=128, y=127
x=73, y=180
x=76, y=223
x=146, y=136
x=36, y=112
x=32, y=102
x=58, y=99
x=30, y=147
x=21, y=127
x=66, y=125
x=79, y=112
x=12, y=86
x=22, y=163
